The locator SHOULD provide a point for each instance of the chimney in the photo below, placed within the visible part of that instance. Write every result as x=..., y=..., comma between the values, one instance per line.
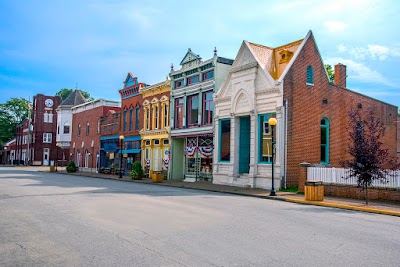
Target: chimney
x=340, y=75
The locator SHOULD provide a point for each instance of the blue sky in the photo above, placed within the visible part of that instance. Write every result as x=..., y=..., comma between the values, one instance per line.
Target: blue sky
x=49, y=45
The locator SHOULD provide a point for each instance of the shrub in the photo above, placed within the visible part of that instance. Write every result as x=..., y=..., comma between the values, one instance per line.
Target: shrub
x=137, y=170
x=71, y=167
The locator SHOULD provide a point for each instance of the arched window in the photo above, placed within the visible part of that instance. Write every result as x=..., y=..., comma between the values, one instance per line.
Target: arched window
x=87, y=128
x=79, y=129
x=324, y=141
x=310, y=75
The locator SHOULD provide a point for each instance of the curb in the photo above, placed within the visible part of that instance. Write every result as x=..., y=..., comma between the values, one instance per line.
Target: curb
x=343, y=206
x=288, y=199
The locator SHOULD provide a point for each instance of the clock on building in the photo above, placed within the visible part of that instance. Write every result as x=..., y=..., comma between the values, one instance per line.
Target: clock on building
x=48, y=103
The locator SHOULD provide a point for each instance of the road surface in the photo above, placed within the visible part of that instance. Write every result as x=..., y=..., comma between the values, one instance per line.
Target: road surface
x=49, y=219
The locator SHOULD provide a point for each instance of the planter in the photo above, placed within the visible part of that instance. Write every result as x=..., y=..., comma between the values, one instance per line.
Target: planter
x=157, y=177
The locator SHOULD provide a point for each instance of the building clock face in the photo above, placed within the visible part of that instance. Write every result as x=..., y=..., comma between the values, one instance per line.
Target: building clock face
x=48, y=103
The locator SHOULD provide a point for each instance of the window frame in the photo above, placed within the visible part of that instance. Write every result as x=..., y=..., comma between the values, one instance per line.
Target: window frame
x=325, y=126
x=310, y=75
x=137, y=118
x=262, y=119
x=180, y=117
x=130, y=119
x=220, y=140
x=211, y=111
x=189, y=110
x=47, y=138
x=124, y=120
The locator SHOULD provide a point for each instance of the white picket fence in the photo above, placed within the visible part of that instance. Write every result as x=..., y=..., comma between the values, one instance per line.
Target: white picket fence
x=341, y=176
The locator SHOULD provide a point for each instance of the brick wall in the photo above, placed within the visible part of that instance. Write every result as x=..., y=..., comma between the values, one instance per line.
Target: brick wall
x=358, y=193
x=90, y=116
x=127, y=104
x=398, y=138
x=110, y=123
x=40, y=127
x=306, y=109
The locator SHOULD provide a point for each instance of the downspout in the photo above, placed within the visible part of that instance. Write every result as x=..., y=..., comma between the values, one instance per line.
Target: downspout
x=285, y=144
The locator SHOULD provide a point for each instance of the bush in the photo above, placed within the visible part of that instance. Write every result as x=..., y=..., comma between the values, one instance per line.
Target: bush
x=71, y=167
x=137, y=170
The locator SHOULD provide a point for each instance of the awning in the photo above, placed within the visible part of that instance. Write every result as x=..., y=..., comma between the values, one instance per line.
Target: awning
x=109, y=137
x=132, y=138
x=130, y=151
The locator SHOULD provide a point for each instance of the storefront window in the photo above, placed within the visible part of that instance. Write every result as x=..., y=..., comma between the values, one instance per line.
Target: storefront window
x=225, y=139
x=265, y=139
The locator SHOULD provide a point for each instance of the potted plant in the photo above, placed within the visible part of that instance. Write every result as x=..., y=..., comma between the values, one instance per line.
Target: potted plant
x=137, y=171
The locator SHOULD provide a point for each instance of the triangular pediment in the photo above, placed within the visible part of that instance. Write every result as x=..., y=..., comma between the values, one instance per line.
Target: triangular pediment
x=244, y=56
x=189, y=57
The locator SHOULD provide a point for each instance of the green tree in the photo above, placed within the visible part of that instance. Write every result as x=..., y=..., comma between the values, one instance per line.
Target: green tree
x=65, y=92
x=12, y=112
x=331, y=73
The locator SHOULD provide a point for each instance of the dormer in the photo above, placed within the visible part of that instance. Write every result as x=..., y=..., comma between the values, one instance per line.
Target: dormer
x=285, y=56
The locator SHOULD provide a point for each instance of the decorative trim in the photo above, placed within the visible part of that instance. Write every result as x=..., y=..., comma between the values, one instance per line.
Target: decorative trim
x=244, y=67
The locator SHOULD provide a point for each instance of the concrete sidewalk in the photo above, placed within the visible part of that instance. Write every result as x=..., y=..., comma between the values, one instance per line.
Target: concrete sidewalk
x=388, y=208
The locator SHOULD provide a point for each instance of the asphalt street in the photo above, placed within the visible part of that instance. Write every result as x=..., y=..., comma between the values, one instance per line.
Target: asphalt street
x=61, y=220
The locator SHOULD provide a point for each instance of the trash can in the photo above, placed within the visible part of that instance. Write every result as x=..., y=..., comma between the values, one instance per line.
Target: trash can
x=157, y=177
x=314, y=191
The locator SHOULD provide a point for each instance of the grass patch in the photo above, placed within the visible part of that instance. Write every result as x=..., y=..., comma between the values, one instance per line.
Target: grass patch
x=293, y=189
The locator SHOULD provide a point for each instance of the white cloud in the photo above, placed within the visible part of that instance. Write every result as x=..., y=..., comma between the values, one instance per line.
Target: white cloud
x=361, y=72
x=372, y=51
x=335, y=26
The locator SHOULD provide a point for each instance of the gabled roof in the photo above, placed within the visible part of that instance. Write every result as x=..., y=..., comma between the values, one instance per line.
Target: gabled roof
x=75, y=98
x=274, y=60
x=190, y=56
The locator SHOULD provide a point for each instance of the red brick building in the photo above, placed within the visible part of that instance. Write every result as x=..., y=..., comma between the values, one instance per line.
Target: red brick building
x=109, y=137
x=290, y=84
x=131, y=120
x=35, y=139
x=85, y=138
x=398, y=138
x=318, y=112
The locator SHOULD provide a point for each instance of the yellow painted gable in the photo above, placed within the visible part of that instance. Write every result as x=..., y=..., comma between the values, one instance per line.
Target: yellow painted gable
x=275, y=60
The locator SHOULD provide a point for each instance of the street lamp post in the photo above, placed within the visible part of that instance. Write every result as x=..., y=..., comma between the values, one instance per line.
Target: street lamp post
x=57, y=145
x=121, y=139
x=272, y=122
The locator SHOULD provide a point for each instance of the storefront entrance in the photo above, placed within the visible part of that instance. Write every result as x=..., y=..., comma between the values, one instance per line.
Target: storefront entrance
x=199, y=158
x=244, y=145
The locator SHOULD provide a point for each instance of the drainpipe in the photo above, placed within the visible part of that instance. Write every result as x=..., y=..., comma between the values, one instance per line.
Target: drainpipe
x=285, y=144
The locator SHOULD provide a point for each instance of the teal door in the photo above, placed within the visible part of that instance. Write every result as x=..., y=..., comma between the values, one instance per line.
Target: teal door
x=244, y=145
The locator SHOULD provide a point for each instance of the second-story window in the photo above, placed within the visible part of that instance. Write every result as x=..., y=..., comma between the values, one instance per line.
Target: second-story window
x=130, y=119
x=178, y=83
x=66, y=128
x=208, y=108
x=79, y=129
x=208, y=75
x=193, y=110
x=87, y=128
x=179, y=113
x=148, y=118
x=165, y=115
x=137, y=118
x=124, y=118
x=156, y=117
x=193, y=80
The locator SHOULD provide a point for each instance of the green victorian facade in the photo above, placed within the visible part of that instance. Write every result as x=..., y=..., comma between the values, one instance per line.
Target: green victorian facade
x=192, y=115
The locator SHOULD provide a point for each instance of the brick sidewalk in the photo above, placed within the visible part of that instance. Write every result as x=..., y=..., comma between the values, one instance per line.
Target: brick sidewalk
x=388, y=208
